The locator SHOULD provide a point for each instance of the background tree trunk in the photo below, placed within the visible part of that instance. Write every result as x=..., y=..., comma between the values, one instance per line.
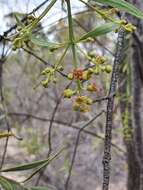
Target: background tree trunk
x=132, y=109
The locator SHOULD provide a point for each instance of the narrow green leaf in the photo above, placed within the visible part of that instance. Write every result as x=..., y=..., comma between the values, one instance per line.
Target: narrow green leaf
x=32, y=165
x=100, y=30
x=41, y=42
x=9, y=184
x=35, y=172
x=5, y=184
x=26, y=166
x=122, y=5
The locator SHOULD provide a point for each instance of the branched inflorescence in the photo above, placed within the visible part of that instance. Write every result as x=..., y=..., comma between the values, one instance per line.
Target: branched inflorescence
x=84, y=78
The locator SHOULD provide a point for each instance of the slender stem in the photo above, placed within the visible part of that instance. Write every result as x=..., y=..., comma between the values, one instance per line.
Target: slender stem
x=62, y=57
x=71, y=33
x=44, y=13
x=76, y=146
x=83, y=52
x=72, y=40
x=100, y=12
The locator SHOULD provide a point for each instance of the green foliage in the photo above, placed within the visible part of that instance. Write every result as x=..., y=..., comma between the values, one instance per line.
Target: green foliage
x=9, y=184
x=100, y=30
x=32, y=165
x=127, y=130
x=123, y=6
x=49, y=45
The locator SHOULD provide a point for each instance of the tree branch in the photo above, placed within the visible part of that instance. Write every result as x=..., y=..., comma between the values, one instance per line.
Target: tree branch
x=110, y=104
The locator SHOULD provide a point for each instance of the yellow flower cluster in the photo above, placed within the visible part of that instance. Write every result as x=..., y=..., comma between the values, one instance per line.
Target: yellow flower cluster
x=82, y=104
x=50, y=74
x=23, y=33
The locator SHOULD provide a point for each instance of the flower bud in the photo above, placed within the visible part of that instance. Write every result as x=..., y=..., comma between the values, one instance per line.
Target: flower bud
x=129, y=27
x=86, y=75
x=54, y=80
x=70, y=76
x=108, y=68
x=90, y=70
x=96, y=70
x=30, y=17
x=76, y=106
x=68, y=93
x=102, y=68
x=100, y=59
x=88, y=101
x=45, y=71
x=45, y=83
x=84, y=108
x=91, y=87
x=19, y=28
x=60, y=68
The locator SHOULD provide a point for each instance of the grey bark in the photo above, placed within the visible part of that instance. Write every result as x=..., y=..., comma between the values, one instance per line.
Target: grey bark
x=134, y=145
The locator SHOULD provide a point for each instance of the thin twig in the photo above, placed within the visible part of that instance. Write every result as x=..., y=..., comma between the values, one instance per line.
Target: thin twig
x=42, y=60
x=66, y=124
x=22, y=20
x=3, y=104
x=50, y=133
x=76, y=146
x=49, y=139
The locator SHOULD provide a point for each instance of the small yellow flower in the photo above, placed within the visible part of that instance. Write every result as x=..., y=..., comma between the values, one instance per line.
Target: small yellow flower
x=70, y=76
x=129, y=27
x=80, y=99
x=96, y=70
x=91, y=87
x=60, y=68
x=99, y=59
x=84, y=108
x=45, y=83
x=86, y=75
x=88, y=101
x=68, y=93
x=84, y=99
x=81, y=107
x=103, y=68
x=90, y=71
x=45, y=71
x=76, y=106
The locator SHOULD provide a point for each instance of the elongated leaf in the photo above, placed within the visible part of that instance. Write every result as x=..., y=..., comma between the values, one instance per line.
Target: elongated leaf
x=43, y=43
x=5, y=184
x=100, y=30
x=26, y=166
x=14, y=184
x=124, y=6
x=32, y=165
x=35, y=172
x=6, y=134
x=9, y=184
